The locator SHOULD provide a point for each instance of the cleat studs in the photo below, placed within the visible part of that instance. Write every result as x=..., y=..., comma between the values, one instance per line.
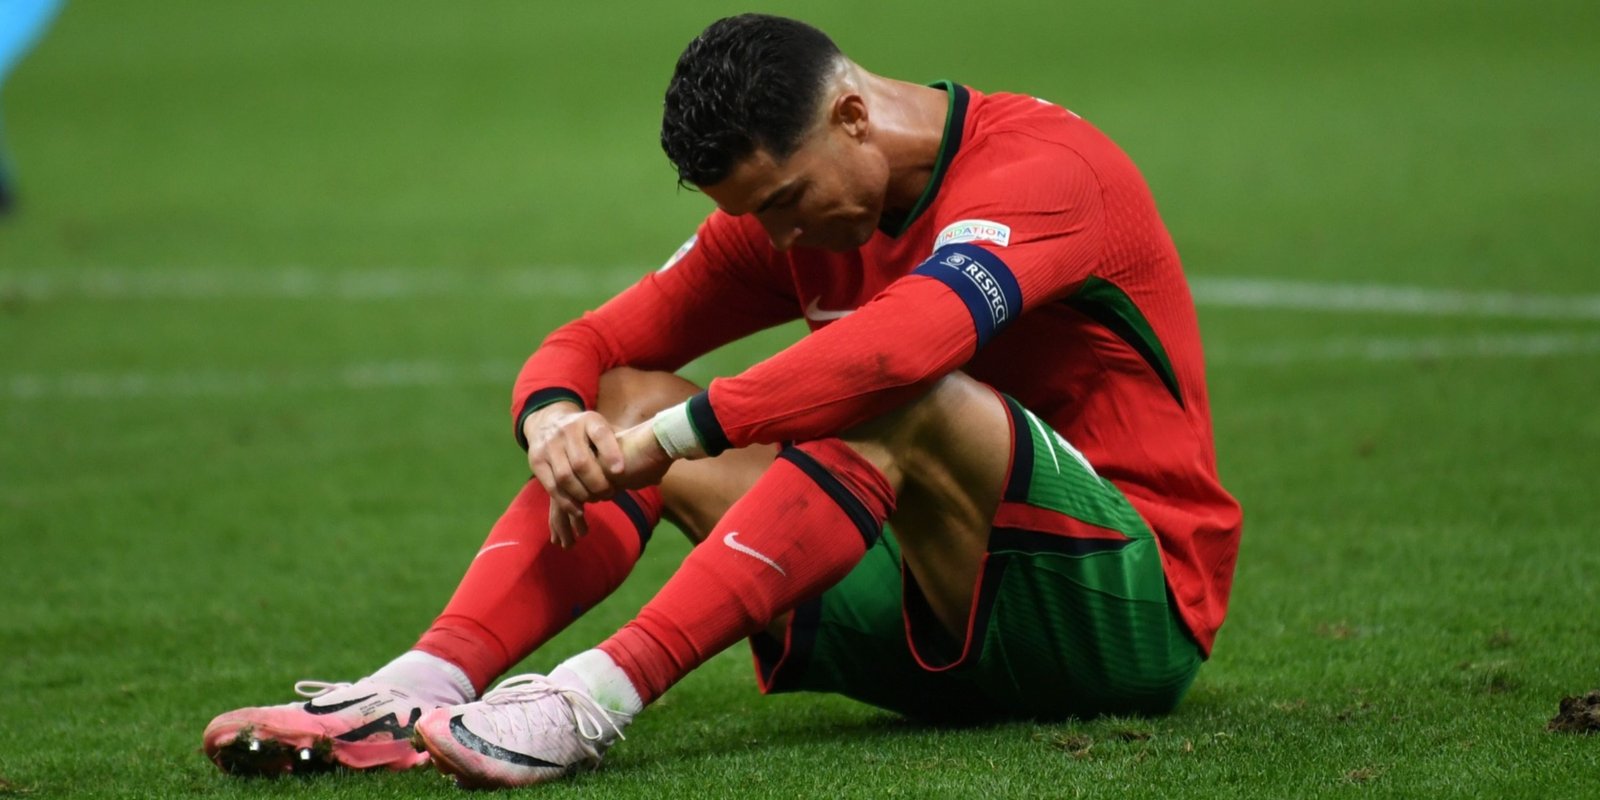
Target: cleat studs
x=305, y=754
x=255, y=745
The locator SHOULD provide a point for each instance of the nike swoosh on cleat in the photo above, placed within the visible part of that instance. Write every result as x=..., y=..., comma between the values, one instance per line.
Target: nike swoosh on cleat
x=816, y=312
x=311, y=709
x=728, y=540
x=478, y=744
x=388, y=723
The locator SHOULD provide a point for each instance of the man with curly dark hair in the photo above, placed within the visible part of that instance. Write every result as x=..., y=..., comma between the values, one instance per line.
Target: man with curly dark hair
x=982, y=487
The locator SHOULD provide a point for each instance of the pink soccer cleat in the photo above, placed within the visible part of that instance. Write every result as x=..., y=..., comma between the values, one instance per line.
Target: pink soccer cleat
x=529, y=729
x=363, y=725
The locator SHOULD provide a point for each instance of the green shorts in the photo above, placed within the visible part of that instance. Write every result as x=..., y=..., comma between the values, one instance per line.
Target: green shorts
x=1072, y=616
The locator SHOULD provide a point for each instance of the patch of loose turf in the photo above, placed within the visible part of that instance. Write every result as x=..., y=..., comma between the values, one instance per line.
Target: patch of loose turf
x=1580, y=714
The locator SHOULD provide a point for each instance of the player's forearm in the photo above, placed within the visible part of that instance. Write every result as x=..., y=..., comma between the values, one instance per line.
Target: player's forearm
x=659, y=323
x=841, y=376
x=639, y=328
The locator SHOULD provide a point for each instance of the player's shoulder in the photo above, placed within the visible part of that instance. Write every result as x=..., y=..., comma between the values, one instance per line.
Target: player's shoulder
x=1016, y=140
x=1019, y=123
x=1014, y=144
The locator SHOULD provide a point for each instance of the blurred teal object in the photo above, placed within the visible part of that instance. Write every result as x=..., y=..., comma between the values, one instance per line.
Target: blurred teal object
x=22, y=22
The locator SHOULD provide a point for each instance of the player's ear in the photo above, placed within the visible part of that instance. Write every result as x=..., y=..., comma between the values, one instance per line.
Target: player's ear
x=850, y=114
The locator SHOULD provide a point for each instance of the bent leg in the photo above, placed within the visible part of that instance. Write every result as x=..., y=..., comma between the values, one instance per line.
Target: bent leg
x=947, y=456
x=803, y=526
x=1062, y=611
x=520, y=591
x=802, y=531
x=799, y=529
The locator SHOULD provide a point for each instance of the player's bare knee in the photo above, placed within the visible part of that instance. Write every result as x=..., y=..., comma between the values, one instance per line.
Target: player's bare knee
x=698, y=493
x=955, y=416
x=630, y=396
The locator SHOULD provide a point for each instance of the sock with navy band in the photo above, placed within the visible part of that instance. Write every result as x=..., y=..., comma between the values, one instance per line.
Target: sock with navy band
x=808, y=520
x=521, y=590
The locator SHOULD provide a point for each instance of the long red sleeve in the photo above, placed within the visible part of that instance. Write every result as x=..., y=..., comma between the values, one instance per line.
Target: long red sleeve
x=928, y=323
x=719, y=290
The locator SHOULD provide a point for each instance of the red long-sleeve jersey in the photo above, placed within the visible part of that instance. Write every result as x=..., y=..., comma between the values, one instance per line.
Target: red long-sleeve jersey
x=1035, y=261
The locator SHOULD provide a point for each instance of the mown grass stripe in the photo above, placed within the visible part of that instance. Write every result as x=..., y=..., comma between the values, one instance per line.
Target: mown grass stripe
x=431, y=373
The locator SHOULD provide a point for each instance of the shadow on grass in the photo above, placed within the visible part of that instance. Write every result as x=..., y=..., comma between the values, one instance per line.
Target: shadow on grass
x=804, y=727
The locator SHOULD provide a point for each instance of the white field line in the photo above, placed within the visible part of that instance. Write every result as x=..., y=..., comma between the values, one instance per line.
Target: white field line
x=352, y=377
x=1400, y=348
x=595, y=283
x=1403, y=300
x=427, y=374
x=296, y=283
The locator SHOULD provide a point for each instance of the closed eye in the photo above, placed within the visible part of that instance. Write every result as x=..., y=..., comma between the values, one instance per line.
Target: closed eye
x=790, y=198
x=794, y=197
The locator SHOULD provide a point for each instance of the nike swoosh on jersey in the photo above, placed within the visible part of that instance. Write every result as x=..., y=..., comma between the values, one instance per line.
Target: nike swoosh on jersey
x=728, y=540
x=473, y=741
x=818, y=314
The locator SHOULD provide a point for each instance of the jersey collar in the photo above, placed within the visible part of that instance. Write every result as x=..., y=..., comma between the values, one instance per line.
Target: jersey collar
x=954, y=122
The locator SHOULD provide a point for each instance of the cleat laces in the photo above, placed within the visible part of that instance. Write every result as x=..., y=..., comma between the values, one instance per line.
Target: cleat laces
x=591, y=717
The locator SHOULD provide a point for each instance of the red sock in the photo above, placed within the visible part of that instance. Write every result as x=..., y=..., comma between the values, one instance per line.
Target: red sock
x=798, y=531
x=521, y=590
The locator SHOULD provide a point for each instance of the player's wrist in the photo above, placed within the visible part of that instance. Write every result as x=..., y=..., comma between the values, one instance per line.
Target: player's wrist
x=557, y=408
x=536, y=404
x=537, y=417
x=675, y=432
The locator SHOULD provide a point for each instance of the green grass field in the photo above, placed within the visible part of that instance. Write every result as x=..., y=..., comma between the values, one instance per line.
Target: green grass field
x=277, y=263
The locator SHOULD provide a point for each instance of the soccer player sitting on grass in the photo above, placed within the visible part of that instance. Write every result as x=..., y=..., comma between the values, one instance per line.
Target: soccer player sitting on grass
x=982, y=487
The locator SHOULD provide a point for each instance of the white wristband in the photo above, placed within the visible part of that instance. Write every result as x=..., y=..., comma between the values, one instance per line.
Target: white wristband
x=675, y=431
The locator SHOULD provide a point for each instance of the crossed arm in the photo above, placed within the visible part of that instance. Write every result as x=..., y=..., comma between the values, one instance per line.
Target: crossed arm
x=892, y=349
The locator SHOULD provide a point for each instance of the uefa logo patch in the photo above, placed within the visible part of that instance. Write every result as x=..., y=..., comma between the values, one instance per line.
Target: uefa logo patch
x=973, y=230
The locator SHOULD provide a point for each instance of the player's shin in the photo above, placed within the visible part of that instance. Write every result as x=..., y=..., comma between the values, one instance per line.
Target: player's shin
x=798, y=531
x=521, y=590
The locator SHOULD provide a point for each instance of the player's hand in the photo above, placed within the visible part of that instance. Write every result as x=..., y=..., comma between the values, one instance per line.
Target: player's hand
x=575, y=456
x=645, y=462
